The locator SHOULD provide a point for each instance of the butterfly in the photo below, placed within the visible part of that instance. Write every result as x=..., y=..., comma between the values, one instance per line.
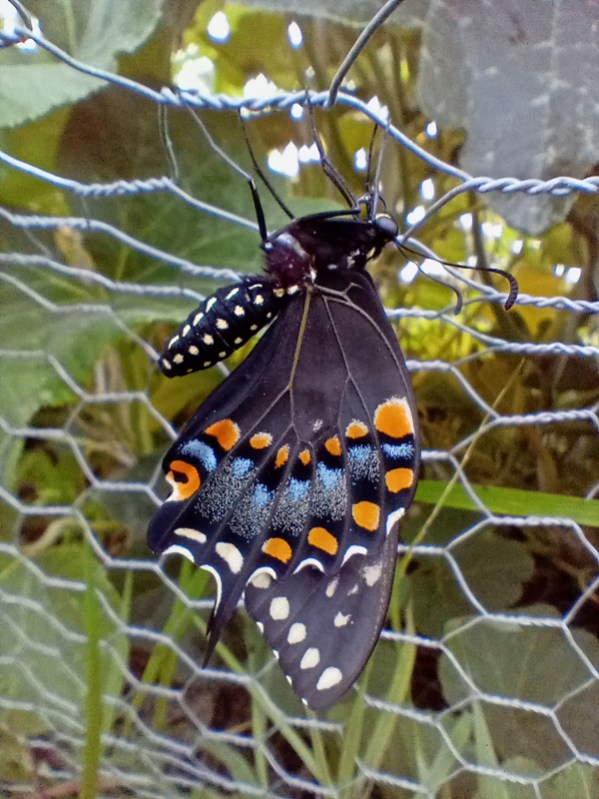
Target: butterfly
x=289, y=481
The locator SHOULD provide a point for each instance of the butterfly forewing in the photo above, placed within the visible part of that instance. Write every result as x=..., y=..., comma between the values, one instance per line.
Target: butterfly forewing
x=290, y=478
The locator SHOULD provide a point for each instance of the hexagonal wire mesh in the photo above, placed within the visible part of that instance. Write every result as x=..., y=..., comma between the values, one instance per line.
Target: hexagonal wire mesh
x=99, y=662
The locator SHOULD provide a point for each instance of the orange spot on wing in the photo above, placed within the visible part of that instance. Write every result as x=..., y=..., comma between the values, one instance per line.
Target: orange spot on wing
x=261, y=440
x=322, y=539
x=356, y=429
x=282, y=456
x=186, y=487
x=305, y=456
x=397, y=479
x=394, y=418
x=333, y=446
x=366, y=515
x=226, y=432
x=277, y=548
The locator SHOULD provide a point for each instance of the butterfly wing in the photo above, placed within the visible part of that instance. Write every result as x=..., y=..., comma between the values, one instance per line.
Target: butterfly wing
x=293, y=474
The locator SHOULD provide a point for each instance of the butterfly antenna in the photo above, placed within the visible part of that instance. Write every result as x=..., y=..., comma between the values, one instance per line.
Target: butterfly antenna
x=260, y=172
x=512, y=294
x=260, y=218
x=329, y=170
x=459, y=299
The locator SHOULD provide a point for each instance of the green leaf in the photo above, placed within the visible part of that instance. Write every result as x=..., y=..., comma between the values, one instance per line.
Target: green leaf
x=511, y=501
x=494, y=569
x=95, y=32
x=534, y=664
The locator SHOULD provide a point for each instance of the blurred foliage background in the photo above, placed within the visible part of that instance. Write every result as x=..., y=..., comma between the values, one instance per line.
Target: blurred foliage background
x=101, y=693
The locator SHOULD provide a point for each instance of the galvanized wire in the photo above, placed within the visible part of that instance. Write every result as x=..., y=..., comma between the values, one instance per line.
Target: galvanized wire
x=166, y=762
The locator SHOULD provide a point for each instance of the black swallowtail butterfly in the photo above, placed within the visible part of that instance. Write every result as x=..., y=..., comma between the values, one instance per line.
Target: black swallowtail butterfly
x=290, y=479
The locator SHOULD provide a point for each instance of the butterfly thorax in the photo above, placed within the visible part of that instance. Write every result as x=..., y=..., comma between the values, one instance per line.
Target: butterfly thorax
x=309, y=246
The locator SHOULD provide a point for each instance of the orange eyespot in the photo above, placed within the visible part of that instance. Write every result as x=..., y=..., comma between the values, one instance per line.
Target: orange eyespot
x=321, y=539
x=305, y=456
x=366, y=515
x=333, y=446
x=282, y=456
x=398, y=479
x=277, y=548
x=356, y=429
x=260, y=440
x=226, y=432
x=394, y=418
x=186, y=487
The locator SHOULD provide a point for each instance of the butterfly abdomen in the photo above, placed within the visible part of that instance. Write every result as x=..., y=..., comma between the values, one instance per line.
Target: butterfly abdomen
x=220, y=325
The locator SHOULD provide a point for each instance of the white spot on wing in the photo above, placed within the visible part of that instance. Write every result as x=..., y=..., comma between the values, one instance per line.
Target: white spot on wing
x=211, y=302
x=309, y=562
x=310, y=659
x=208, y=339
x=393, y=518
x=341, y=619
x=194, y=535
x=329, y=677
x=372, y=574
x=178, y=358
x=297, y=633
x=177, y=549
x=222, y=324
x=193, y=350
x=261, y=579
x=279, y=608
x=231, y=555
x=355, y=549
x=332, y=587
x=238, y=310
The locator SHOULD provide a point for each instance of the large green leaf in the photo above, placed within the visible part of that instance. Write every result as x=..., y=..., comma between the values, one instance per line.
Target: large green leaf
x=524, y=663
x=94, y=32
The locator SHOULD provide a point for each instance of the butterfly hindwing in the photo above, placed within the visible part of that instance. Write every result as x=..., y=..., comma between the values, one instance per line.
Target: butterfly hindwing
x=323, y=629
x=293, y=474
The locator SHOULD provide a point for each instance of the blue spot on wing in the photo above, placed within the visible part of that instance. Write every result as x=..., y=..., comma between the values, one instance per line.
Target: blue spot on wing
x=329, y=477
x=399, y=451
x=241, y=467
x=298, y=489
x=202, y=452
x=261, y=496
x=360, y=453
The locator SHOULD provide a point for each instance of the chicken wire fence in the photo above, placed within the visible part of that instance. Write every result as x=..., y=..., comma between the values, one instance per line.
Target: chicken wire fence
x=101, y=644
